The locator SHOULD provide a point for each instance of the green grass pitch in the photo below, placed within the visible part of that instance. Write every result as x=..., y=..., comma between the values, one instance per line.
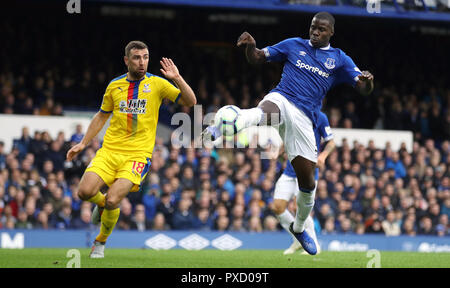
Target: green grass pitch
x=143, y=258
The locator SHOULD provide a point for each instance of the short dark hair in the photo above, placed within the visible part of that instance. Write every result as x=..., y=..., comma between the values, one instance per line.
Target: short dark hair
x=134, y=45
x=325, y=16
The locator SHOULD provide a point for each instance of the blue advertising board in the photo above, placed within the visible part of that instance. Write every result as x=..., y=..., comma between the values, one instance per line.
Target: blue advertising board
x=197, y=240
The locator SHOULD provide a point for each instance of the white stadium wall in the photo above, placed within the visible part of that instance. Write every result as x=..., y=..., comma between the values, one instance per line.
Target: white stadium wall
x=11, y=126
x=363, y=136
x=380, y=137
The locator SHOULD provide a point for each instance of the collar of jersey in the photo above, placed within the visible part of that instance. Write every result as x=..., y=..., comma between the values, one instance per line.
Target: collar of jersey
x=135, y=81
x=322, y=48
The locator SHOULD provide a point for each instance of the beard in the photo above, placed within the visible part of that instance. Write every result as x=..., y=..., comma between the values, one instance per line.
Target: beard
x=136, y=74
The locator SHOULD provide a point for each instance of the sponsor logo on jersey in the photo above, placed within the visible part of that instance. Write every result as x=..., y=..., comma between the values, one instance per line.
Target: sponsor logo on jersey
x=313, y=69
x=133, y=106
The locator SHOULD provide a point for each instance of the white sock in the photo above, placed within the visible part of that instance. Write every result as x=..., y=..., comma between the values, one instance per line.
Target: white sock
x=305, y=204
x=250, y=117
x=285, y=219
x=309, y=226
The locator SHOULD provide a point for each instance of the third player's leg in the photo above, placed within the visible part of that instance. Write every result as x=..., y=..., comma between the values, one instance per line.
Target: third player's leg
x=279, y=206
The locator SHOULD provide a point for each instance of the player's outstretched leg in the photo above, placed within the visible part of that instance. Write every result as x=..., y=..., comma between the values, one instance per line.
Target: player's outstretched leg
x=234, y=118
x=265, y=114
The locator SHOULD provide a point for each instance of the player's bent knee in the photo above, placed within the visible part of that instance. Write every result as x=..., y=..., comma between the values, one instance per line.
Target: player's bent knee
x=279, y=206
x=111, y=202
x=85, y=194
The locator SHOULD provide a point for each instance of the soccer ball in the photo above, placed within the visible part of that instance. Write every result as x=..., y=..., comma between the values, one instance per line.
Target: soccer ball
x=227, y=121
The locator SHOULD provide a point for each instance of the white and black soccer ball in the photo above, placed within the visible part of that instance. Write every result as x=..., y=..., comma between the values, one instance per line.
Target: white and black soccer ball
x=227, y=121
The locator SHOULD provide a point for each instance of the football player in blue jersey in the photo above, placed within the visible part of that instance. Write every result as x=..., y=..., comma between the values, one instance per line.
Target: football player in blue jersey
x=287, y=185
x=311, y=68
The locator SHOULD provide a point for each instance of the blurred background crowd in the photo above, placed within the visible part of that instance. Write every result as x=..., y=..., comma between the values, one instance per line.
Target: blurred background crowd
x=361, y=190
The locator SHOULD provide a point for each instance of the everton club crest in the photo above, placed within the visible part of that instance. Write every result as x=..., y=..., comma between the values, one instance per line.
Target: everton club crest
x=330, y=63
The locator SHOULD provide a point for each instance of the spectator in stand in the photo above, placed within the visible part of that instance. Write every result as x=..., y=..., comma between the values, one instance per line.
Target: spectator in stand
x=139, y=221
x=78, y=135
x=159, y=222
x=203, y=220
x=183, y=218
x=390, y=226
x=84, y=221
x=125, y=219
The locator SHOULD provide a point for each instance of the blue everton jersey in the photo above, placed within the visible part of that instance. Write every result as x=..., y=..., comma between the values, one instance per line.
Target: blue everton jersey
x=309, y=72
x=322, y=131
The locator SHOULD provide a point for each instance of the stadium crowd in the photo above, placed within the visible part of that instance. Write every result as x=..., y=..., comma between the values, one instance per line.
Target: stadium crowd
x=361, y=190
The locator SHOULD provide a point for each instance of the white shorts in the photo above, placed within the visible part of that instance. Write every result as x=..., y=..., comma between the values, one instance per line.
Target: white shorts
x=286, y=188
x=295, y=128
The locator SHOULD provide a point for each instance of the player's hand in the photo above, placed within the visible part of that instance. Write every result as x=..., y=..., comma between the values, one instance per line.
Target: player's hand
x=74, y=151
x=365, y=76
x=320, y=162
x=169, y=70
x=245, y=39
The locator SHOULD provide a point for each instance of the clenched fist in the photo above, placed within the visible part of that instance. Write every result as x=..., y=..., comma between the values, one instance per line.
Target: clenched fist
x=246, y=39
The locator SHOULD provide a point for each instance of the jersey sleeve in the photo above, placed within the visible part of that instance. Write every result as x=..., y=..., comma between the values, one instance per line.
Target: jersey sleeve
x=348, y=73
x=324, y=128
x=279, y=51
x=107, y=103
x=169, y=91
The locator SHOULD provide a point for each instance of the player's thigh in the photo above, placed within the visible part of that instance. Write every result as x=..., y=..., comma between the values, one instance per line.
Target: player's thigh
x=300, y=143
x=135, y=169
x=102, y=167
x=117, y=192
x=272, y=105
x=89, y=185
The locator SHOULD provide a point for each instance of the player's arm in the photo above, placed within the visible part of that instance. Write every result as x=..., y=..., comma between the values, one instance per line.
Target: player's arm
x=170, y=71
x=253, y=54
x=329, y=147
x=95, y=126
x=364, y=85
